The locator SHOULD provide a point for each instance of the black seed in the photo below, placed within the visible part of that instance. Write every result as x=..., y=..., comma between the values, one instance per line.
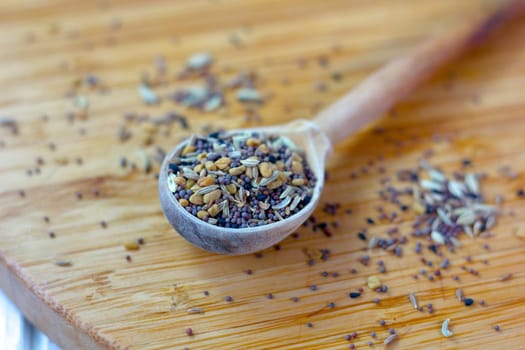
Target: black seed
x=173, y=167
x=370, y=221
x=354, y=295
x=361, y=236
x=469, y=301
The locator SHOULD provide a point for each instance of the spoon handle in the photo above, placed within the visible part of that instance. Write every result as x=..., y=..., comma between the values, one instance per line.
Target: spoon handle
x=398, y=78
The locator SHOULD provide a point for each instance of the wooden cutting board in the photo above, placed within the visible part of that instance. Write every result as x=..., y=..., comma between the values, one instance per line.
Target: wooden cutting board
x=475, y=109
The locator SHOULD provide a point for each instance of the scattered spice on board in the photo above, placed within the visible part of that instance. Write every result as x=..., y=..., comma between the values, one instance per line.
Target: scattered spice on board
x=241, y=180
x=64, y=263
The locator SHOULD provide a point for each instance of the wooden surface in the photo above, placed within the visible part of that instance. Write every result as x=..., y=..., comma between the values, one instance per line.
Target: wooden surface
x=473, y=109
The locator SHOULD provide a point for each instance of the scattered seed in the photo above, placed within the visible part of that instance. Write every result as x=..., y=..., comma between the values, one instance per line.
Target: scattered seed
x=505, y=277
x=189, y=332
x=354, y=295
x=468, y=301
x=64, y=263
x=444, y=328
x=390, y=339
x=413, y=300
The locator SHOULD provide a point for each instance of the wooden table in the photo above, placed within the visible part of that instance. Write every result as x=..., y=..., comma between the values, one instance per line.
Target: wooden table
x=474, y=109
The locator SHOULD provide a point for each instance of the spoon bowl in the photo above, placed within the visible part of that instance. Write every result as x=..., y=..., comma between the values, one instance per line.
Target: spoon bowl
x=308, y=137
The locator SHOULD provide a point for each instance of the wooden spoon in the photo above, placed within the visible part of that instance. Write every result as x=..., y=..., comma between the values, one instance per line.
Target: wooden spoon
x=365, y=103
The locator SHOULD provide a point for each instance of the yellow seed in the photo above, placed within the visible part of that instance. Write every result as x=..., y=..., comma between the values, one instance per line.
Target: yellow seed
x=148, y=128
x=373, y=282
x=210, y=165
x=206, y=181
x=418, y=208
x=279, y=165
x=223, y=163
x=213, y=210
x=131, y=245
x=179, y=180
x=184, y=202
x=212, y=196
x=263, y=149
x=198, y=168
x=297, y=167
x=237, y=170
x=187, y=149
x=297, y=157
x=231, y=188
x=298, y=182
x=190, y=183
x=253, y=142
x=249, y=172
x=196, y=199
x=274, y=184
x=283, y=177
x=265, y=169
x=202, y=155
x=195, y=188
x=202, y=213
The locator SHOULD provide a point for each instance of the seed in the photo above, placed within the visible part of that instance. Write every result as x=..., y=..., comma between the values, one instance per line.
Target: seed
x=505, y=277
x=299, y=182
x=231, y=188
x=354, y=295
x=213, y=210
x=253, y=142
x=195, y=310
x=189, y=332
x=197, y=199
x=223, y=163
x=184, y=202
x=228, y=298
x=64, y=263
x=210, y=165
x=201, y=214
x=444, y=328
x=211, y=197
x=297, y=167
x=413, y=300
x=265, y=169
x=237, y=170
x=188, y=149
x=390, y=339
x=274, y=184
x=469, y=301
x=206, y=181
x=373, y=282
x=497, y=328
x=131, y=245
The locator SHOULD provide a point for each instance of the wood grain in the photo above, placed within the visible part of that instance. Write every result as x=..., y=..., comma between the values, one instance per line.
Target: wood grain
x=473, y=109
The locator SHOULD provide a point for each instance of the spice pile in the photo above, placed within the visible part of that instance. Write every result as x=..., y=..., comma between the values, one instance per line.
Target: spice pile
x=241, y=180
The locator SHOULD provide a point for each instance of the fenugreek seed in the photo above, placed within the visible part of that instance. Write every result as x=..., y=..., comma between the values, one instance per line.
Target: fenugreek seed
x=206, y=181
x=179, y=180
x=184, y=202
x=202, y=213
x=210, y=165
x=231, y=188
x=198, y=168
x=187, y=149
x=265, y=169
x=283, y=177
x=237, y=170
x=196, y=199
x=223, y=163
x=280, y=165
x=190, y=183
x=213, y=210
x=263, y=149
x=253, y=142
x=299, y=182
x=202, y=155
x=297, y=167
x=131, y=245
x=274, y=184
x=212, y=196
x=373, y=282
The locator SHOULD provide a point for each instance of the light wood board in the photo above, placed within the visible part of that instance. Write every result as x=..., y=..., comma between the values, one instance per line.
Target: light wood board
x=474, y=109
